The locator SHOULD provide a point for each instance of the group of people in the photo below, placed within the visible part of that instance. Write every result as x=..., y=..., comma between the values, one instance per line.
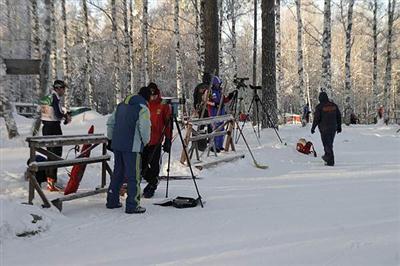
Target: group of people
x=141, y=127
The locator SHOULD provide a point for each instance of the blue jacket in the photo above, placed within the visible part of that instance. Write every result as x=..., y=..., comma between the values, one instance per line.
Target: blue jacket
x=129, y=126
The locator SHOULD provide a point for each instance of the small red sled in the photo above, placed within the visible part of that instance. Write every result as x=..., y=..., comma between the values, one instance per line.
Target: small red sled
x=77, y=171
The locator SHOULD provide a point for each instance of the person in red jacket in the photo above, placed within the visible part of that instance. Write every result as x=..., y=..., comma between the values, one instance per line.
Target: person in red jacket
x=160, y=116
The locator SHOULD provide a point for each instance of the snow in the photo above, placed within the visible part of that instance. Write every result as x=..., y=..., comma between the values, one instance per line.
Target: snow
x=296, y=212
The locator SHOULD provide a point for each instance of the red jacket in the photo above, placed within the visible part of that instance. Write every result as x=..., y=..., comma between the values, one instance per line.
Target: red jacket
x=159, y=116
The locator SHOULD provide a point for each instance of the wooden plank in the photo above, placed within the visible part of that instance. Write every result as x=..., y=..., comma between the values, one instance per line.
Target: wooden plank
x=58, y=202
x=214, y=163
x=61, y=142
x=210, y=135
x=210, y=120
x=51, y=156
x=36, y=186
x=22, y=66
x=35, y=166
x=38, y=138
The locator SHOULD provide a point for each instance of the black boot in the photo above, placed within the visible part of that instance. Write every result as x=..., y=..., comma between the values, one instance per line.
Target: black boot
x=149, y=190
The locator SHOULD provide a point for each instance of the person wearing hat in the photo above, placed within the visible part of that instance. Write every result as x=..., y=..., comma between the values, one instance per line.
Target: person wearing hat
x=329, y=121
x=51, y=116
x=160, y=115
x=128, y=128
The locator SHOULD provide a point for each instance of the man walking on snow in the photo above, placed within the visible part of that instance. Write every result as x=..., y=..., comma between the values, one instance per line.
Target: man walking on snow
x=129, y=130
x=329, y=121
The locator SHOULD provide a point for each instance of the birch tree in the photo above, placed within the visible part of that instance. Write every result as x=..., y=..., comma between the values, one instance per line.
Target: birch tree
x=127, y=47
x=300, y=62
x=87, y=69
x=199, y=20
x=326, y=50
x=255, y=44
x=65, y=54
x=131, y=46
x=233, y=33
x=179, y=90
x=35, y=40
x=268, y=63
x=116, y=70
x=220, y=20
x=54, y=58
x=6, y=109
x=45, y=64
x=145, y=44
x=375, y=89
x=388, y=70
x=348, y=89
x=279, y=80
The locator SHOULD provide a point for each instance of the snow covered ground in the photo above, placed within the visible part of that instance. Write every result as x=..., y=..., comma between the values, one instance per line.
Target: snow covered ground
x=297, y=212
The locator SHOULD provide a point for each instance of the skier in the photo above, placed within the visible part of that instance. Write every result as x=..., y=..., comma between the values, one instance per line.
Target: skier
x=160, y=116
x=51, y=116
x=216, y=98
x=329, y=121
x=129, y=130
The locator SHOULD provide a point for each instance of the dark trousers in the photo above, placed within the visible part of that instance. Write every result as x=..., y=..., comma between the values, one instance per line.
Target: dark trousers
x=126, y=164
x=52, y=128
x=151, y=157
x=327, y=138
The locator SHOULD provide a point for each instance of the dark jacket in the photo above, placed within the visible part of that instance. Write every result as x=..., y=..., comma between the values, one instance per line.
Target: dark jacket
x=129, y=125
x=327, y=115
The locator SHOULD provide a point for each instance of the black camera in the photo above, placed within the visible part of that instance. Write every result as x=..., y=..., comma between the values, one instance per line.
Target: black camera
x=240, y=81
x=255, y=87
x=173, y=100
x=67, y=117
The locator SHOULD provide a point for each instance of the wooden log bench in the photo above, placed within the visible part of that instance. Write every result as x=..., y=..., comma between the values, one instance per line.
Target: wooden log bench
x=38, y=145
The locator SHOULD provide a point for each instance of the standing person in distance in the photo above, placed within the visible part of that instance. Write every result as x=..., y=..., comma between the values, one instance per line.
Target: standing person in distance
x=51, y=116
x=128, y=128
x=329, y=121
x=306, y=114
x=160, y=116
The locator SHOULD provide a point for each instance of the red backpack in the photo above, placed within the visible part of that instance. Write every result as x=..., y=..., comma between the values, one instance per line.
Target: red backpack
x=305, y=147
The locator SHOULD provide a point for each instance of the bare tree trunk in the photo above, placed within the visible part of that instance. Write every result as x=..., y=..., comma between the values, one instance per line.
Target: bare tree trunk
x=65, y=55
x=35, y=41
x=6, y=109
x=279, y=80
x=375, y=57
x=388, y=70
x=347, y=66
x=300, y=62
x=127, y=47
x=255, y=44
x=210, y=31
x=88, y=62
x=54, y=58
x=233, y=22
x=145, y=44
x=326, y=50
x=179, y=89
x=45, y=68
x=268, y=63
x=116, y=70
x=131, y=45
x=199, y=40
x=221, y=20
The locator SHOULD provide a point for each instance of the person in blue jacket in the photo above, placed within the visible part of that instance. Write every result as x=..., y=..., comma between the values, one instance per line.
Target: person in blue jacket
x=216, y=107
x=128, y=128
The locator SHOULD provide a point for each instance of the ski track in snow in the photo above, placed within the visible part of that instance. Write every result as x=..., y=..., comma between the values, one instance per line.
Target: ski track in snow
x=297, y=212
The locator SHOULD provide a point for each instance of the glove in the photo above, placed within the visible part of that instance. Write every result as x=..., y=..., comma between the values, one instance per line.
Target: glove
x=109, y=145
x=167, y=145
x=312, y=131
x=67, y=118
x=339, y=130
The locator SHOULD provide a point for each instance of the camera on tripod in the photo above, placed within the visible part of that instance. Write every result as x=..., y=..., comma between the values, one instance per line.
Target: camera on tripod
x=255, y=87
x=174, y=102
x=240, y=82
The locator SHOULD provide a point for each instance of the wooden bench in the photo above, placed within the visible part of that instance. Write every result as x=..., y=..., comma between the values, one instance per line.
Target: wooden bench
x=38, y=144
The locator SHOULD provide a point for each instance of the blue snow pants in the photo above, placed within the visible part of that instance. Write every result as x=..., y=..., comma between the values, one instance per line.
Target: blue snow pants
x=126, y=164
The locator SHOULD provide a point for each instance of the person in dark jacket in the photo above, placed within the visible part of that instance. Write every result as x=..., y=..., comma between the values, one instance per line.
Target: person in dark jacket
x=198, y=96
x=51, y=116
x=329, y=121
x=129, y=130
x=160, y=116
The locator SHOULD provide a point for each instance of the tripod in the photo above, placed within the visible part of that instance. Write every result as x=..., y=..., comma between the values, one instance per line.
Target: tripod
x=256, y=101
x=172, y=121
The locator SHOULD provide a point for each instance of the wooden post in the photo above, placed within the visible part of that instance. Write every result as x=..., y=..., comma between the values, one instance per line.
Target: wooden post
x=103, y=167
x=32, y=157
x=229, y=139
x=186, y=140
